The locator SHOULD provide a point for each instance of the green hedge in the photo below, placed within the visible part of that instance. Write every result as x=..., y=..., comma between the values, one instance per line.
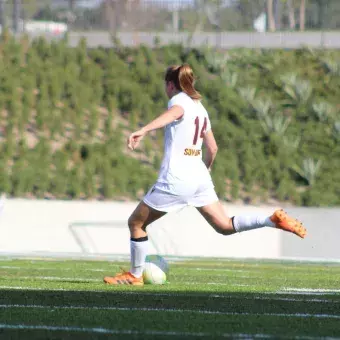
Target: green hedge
x=66, y=113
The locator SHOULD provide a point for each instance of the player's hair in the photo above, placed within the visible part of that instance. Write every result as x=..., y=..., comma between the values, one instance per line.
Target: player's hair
x=183, y=78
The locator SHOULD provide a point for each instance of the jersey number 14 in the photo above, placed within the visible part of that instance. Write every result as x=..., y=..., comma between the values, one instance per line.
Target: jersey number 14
x=197, y=126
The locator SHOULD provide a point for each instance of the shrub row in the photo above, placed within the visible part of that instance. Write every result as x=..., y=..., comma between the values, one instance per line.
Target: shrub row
x=66, y=112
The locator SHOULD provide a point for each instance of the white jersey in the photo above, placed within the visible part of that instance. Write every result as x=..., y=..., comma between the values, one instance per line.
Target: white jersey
x=183, y=171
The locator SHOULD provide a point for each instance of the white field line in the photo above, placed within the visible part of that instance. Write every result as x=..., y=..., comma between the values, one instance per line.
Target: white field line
x=10, y=267
x=57, y=278
x=101, y=330
x=77, y=279
x=57, y=269
x=48, y=289
x=306, y=293
x=140, y=293
x=219, y=270
x=226, y=275
x=173, y=310
x=310, y=290
x=115, y=266
x=228, y=284
x=285, y=290
x=216, y=284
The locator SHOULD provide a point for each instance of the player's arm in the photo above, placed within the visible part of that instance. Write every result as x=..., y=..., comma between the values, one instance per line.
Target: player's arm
x=211, y=149
x=174, y=113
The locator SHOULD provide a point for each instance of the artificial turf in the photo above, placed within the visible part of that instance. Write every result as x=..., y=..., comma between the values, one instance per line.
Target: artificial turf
x=210, y=298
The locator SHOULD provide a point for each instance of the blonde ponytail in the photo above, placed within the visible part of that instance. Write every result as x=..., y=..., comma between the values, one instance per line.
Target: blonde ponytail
x=183, y=79
x=187, y=82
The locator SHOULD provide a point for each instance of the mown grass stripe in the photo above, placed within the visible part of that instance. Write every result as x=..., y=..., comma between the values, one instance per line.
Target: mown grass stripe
x=175, y=310
x=141, y=293
x=100, y=330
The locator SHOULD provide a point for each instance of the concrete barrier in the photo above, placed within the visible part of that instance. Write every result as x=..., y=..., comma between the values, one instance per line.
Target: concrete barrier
x=225, y=40
x=90, y=228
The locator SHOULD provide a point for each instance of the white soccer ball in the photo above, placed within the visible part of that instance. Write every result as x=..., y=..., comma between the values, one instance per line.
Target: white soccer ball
x=155, y=270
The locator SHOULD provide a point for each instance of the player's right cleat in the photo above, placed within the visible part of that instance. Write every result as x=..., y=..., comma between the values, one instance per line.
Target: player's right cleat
x=287, y=223
x=125, y=278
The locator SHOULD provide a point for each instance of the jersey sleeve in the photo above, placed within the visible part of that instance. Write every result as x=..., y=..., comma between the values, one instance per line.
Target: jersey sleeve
x=208, y=124
x=176, y=100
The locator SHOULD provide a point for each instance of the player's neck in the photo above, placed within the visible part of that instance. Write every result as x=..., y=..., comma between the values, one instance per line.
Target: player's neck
x=175, y=93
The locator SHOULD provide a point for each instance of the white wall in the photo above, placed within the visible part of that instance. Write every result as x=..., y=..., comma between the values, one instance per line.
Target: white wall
x=46, y=227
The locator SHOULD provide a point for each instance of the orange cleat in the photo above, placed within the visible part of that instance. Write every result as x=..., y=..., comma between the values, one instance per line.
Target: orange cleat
x=287, y=223
x=125, y=278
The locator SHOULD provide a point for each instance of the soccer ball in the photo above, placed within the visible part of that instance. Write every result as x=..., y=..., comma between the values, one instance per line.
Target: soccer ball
x=155, y=270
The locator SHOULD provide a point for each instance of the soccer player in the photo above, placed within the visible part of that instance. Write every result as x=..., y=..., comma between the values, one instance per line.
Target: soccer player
x=184, y=178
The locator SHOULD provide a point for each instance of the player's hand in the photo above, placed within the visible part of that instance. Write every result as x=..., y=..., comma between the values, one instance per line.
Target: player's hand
x=135, y=138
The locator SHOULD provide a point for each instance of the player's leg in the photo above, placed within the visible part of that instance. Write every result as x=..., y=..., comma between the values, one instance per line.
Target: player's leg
x=142, y=216
x=139, y=243
x=156, y=203
x=216, y=216
x=207, y=203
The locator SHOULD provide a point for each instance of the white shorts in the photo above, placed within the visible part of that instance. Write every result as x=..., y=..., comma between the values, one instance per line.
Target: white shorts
x=165, y=201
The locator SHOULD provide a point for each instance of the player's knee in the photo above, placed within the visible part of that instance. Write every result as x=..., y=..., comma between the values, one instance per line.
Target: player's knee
x=225, y=228
x=134, y=224
x=225, y=232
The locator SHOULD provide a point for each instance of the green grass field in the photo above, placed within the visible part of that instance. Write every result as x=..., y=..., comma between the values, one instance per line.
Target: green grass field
x=66, y=299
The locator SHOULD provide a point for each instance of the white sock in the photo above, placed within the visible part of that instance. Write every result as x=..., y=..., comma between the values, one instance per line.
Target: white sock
x=139, y=250
x=249, y=222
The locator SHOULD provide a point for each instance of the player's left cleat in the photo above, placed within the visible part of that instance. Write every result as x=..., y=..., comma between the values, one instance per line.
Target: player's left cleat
x=283, y=221
x=125, y=278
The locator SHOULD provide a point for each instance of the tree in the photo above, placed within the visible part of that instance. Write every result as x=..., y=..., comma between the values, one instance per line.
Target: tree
x=302, y=14
x=71, y=4
x=2, y=13
x=270, y=13
x=16, y=15
x=275, y=13
x=116, y=13
x=243, y=13
x=207, y=10
x=291, y=14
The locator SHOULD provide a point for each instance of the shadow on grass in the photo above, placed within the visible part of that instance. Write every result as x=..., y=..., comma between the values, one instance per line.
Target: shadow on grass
x=140, y=314
x=237, y=302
